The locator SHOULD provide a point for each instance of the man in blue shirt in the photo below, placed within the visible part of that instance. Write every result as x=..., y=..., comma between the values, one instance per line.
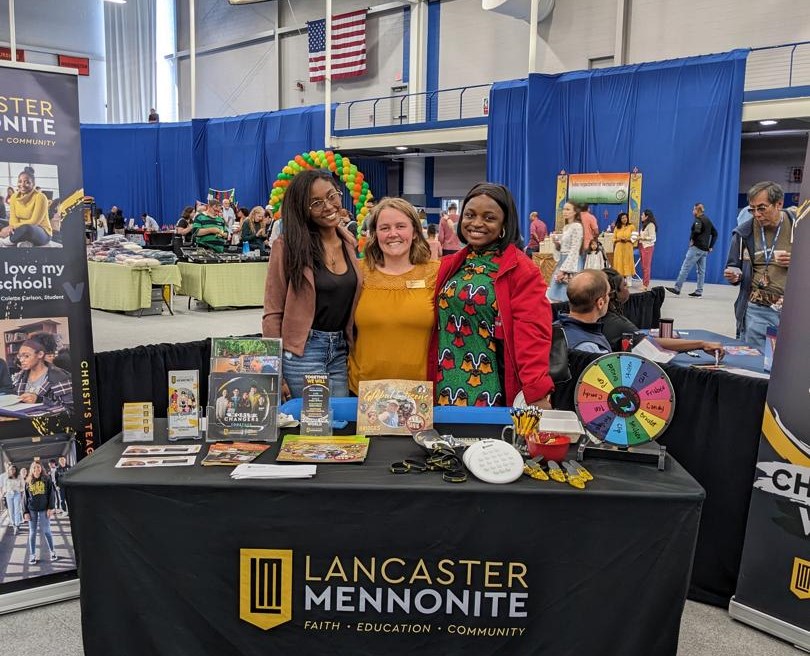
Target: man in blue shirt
x=588, y=300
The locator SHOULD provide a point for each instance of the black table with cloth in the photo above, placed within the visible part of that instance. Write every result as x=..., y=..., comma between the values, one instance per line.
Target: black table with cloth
x=599, y=571
x=714, y=434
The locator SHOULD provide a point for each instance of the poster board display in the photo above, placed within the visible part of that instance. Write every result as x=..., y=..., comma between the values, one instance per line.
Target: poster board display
x=46, y=352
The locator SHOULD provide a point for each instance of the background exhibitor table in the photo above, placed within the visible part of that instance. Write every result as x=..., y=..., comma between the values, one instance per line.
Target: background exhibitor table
x=607, y=568
x=120, y=288
x=238, y=284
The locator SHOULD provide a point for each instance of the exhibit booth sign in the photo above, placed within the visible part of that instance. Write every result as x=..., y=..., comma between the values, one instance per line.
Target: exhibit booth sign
x=773, y=589
x=622, y=189
x=47, y=400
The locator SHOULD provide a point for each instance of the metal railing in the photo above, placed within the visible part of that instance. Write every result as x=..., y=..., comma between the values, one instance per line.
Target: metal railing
x=423, y=109
x=770, y=67
x=777, y=67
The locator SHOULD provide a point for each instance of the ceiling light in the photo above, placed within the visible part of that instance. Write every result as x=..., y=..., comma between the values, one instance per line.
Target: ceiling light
x=117, y=2
x=402, y=148
x=768, y=122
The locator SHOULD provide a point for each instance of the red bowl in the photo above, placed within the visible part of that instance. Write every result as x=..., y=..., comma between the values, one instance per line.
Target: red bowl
x=555, y=448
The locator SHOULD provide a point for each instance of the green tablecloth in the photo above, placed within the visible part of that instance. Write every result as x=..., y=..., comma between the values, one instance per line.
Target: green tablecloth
x=239, y=284
x=123, y=289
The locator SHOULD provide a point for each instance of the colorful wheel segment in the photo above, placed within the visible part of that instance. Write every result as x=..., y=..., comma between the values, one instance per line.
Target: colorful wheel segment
x=624, y=399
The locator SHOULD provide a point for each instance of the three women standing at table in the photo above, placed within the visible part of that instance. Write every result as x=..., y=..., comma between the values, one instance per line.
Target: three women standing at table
x=313, y=285
x=623, y=247
x=646, y=246
x=395, y=315
x=492, y=334
x=569, y=247
x=482, y=336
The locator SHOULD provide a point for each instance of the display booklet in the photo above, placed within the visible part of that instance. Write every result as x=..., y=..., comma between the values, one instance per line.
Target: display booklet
x=307, y=448
x=155, y=461
x=233, y=453
x=394, y=407
x=245, y=355
x=161, y=450
x=243, y=406
x=183, y=411
x=138, y=422
x=315, y=416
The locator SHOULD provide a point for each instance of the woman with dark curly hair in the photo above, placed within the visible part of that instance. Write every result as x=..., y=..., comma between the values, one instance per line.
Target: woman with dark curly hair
x=313, y=284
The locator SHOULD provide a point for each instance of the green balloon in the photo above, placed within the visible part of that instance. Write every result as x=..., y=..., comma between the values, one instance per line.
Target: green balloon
x=365, y=186
x=353, y=169
x=292, y=164
x=321, y=154
x=280, y=176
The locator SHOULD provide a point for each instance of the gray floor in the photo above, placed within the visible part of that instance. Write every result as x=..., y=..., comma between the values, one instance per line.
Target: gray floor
x=705, y=630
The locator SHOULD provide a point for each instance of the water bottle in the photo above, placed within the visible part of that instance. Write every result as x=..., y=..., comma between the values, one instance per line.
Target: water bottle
x=245, y=249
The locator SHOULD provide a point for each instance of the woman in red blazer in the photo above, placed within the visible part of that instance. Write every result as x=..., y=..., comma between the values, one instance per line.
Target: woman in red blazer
x=492, y=334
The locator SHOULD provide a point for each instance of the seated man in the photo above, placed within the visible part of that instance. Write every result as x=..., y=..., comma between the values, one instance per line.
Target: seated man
x=209, y=229
x=615, y=325
x=588, y=294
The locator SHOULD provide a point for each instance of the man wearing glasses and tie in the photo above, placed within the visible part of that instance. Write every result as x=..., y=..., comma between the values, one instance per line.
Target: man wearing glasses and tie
x=758, y=262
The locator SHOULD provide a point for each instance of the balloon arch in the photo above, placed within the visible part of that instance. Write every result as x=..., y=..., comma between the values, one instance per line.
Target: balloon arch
x=324, y=159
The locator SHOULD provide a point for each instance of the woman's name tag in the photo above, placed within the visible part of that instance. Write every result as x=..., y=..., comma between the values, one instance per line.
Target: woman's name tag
x=415, y=284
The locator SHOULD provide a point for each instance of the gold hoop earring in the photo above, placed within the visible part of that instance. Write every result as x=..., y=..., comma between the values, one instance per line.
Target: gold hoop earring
x=503, y=233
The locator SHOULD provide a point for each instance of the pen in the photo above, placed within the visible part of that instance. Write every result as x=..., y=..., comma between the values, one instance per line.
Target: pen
x=716, y=358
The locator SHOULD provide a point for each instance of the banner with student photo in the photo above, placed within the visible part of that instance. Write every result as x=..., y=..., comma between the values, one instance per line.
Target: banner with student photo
x=773, y=589
x=47, y=389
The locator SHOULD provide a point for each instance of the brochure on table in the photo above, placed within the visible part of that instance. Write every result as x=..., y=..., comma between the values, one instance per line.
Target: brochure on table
x=244, y=389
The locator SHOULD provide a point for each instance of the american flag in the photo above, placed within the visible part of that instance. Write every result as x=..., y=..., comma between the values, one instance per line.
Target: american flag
x=348, y=46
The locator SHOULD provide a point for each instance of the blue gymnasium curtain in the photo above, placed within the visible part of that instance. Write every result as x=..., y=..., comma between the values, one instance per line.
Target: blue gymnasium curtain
x=175, y=182
x=678, y=121
x=288, y=133
x=120, y=167
x=234, y=157
x=506, y=145
x=160, y=168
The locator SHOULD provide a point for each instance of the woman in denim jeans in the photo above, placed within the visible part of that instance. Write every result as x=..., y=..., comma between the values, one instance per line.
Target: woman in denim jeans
x=313, y=284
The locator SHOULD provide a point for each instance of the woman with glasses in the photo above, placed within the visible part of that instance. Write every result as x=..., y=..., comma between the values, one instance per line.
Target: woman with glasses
x=39, y=381
x=313, y=285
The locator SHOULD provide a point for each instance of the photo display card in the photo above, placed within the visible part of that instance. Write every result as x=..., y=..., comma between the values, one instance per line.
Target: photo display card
x=394, y=407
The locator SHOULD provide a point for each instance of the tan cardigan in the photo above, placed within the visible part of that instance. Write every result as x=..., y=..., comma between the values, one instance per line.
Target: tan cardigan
x=288, y=314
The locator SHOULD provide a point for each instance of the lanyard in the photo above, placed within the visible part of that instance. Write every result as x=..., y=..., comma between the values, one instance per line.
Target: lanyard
x=767, y=253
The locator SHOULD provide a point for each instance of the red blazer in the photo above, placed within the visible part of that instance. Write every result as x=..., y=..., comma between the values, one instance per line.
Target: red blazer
x=526, y=319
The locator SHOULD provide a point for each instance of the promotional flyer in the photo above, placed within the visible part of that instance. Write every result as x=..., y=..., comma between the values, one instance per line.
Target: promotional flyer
x=47, y=400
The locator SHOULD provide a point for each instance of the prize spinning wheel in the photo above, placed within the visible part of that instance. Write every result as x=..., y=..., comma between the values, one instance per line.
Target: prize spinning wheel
x=624, y=399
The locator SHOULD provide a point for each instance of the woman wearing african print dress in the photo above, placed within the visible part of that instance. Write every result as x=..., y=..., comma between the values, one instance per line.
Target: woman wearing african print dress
x=492, y=333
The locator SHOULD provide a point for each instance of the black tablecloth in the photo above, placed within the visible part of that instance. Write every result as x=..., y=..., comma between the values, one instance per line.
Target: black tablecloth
x=715, y=436
x=599, y=571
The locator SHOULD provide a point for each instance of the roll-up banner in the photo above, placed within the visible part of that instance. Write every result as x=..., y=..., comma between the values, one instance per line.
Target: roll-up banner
x=47, y=388
x=773, y=589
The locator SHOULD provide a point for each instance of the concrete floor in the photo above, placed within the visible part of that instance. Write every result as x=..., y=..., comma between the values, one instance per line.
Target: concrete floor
x=705, y=630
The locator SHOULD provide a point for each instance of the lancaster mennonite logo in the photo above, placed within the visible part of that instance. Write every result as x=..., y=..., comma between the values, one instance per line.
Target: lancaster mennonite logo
x=265, y=586
x=800, y=581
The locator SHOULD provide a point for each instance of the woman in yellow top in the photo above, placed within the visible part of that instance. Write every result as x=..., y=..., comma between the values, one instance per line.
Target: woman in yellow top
x=394, y=316
x=28, y=216
x=623, y=247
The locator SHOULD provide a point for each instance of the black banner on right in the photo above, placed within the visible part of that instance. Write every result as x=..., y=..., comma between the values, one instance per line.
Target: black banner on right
x=773, y=589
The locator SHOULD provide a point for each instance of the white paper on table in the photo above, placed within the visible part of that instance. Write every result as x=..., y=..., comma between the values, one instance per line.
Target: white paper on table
x=249, y=470
x=648, y=348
